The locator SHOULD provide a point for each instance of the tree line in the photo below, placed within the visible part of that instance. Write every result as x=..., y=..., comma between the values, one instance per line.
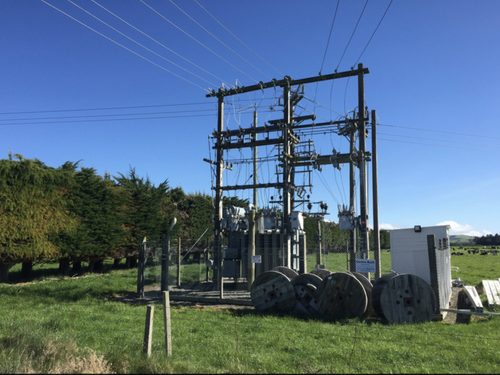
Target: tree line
x=488, y=240
x=72, y=215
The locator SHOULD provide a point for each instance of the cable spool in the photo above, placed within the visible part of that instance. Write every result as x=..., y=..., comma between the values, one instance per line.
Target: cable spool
x=291, y=274
x=368, y=290
x=403, y=298
x=306, y=285
x=273, y=291
x=323, y=273
x=342, y=296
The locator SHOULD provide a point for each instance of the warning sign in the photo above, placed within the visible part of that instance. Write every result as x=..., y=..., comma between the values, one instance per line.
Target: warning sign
x=256, y=258
x=365, y=265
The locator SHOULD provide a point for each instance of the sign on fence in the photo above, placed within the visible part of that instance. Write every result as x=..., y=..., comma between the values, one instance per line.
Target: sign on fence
x=256, y=258
x=365, y=265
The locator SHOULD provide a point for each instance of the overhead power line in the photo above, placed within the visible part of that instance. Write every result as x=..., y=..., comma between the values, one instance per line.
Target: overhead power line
x=217, y=39
x=329, y=36
x=101, y=120
x=353, y=32
x=157, y=42
x=196, y=40
x=121, y=45
x=441, y=131
x=225, y=28
x=211, y=111
x=364, y=49
x=101, y=109
x=140, y=45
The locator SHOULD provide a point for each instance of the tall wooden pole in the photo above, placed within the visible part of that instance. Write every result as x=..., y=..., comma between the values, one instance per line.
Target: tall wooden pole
x=287, y=185
x=252, y=229
x=352, y=202
x=363, y=191
x=218, y=200
x=376, y=229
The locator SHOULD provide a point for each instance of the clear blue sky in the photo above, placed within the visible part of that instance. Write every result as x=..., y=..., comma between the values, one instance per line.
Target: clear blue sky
x=434, y=82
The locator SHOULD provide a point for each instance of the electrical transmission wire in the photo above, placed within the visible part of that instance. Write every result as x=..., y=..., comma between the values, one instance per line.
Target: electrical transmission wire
x=225, y=28
x=197, y=41
x=100, y=109
x=354, y=31
x=441, y=131
x=217, y=39
x=139, y=44
x=329, y=36
x=157, y=42
x=128, y=49
x=428, y=144
x=208, y=111
x=103, y=120
x=373, y=33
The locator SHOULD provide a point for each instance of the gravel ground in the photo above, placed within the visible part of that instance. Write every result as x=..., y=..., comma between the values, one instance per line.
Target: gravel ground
x=237, y=296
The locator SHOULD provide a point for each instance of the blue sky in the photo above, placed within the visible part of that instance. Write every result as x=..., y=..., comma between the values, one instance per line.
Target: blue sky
x=75, y=89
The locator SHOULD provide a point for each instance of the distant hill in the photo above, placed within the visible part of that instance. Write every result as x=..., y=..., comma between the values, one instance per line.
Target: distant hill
x=463, y=239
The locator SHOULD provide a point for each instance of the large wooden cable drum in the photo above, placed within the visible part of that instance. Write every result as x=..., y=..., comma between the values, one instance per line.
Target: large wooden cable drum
x=342, y=296
x=368, y=289
x=288, y=272
x=273, y=291
x=306, y=285
x=323, y=273
x=403, y=298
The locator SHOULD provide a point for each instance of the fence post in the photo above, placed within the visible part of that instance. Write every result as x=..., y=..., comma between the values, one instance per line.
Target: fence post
x=148, y=332
x=141, y=272
x=166, y=318
x=207, y=260
x=179, y=262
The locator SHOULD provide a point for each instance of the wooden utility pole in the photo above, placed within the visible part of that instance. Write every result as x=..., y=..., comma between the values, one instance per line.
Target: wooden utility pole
x=252, y=229
x=218, y=200
x=287, y=186
x=363, y=207
x=376, y=229
x=352, y=201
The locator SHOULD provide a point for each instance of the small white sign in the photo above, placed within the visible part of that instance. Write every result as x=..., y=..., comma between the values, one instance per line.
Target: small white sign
x=256, y=258
x=365, y=265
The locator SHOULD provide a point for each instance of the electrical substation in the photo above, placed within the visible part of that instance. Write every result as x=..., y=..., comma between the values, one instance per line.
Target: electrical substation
x=259, y=240
x=260, y=251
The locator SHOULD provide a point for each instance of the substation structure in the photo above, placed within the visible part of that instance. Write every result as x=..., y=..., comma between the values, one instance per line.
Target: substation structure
x=285, y=239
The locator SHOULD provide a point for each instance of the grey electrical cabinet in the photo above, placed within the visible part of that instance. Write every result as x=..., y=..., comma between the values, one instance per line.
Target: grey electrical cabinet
x=231, y=268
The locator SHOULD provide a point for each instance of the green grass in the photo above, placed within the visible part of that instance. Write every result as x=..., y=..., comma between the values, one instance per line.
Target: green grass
x=473, y=268
x=46, y=325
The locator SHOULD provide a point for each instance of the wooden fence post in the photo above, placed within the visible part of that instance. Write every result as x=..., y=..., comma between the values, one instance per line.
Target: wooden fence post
x=141, y=270
x=148, y=332
x=179, y=262
x=166, y=318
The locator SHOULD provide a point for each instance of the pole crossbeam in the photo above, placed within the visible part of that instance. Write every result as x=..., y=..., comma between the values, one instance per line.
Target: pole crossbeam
x=286, y=81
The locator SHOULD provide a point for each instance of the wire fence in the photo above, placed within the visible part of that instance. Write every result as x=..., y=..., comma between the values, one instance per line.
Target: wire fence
x=191, y=263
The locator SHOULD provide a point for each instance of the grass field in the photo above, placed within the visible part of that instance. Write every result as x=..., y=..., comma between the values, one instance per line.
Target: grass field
x=65, y=325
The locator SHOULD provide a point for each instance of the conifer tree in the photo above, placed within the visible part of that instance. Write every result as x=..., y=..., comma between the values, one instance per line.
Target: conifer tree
x=32, y=207
x=143, y=215
x=96, y=202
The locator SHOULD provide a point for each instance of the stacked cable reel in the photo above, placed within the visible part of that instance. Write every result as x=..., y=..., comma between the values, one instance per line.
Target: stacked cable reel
x=396, y=298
